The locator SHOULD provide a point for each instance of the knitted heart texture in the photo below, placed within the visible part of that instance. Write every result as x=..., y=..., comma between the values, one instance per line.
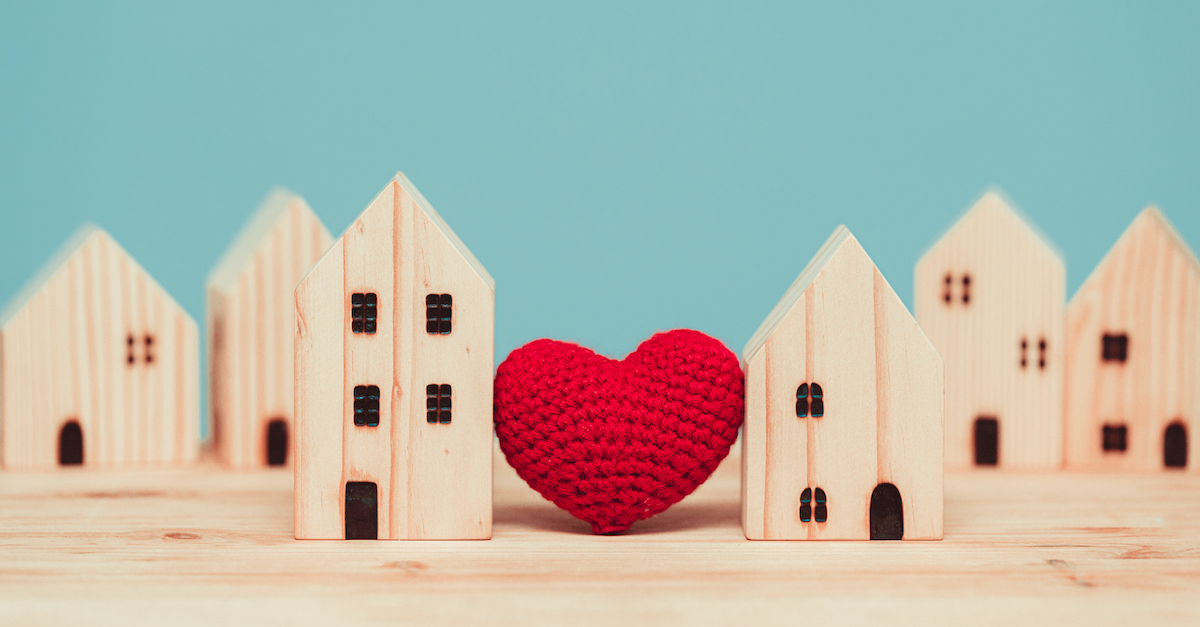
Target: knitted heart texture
x=617, y=441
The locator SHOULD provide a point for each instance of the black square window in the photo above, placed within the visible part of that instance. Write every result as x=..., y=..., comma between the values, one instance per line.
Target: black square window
x=366, y=406
x=438, y=310
x=437, y=403
x=364, y=312
x=1115, y=347
x=1114, y=438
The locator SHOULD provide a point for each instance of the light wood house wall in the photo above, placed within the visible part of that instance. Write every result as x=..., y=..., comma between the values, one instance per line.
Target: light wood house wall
x=98, y=365
x=372, y=458
x=991, y=296
x=870, y=465
x=251, y=328
x=1133, y=354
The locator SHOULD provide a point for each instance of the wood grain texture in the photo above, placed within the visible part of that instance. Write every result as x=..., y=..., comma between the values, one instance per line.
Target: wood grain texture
x=251, y=325
x=1147, y=288
x=97, y=341
x=992, y=343
x=434, y=480
x=842, y=327
x=206, y=545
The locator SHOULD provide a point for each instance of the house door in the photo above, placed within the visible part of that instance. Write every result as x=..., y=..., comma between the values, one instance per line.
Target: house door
x=887, y=513
x=987, y=441
x=277, y=442
x=70, y=444
x=362, y=511
x=1175, y=446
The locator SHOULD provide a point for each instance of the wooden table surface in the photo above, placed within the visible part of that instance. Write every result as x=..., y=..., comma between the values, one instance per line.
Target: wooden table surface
x=204, y=545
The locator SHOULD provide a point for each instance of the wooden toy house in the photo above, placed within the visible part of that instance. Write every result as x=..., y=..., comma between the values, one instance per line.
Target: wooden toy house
x=843, y=432
x=99, y=366
x=991, y=295
x=394, y=365
x=252, y=328
x=1133, y=354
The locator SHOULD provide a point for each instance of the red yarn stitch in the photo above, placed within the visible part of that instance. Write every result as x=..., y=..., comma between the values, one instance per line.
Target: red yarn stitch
x=612, y=441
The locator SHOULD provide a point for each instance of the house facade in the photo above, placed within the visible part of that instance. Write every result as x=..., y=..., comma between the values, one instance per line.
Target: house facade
x=251, y=323
x=991, y=296
x=393, y=377
x=1133, y=354
x=99, y=366
x=843, y=431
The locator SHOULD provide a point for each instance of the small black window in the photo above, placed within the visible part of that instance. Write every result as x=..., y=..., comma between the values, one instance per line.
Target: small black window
x=364, y=312
x=1024, y=347
x=966, y=288
x=1042, y=354
x=820, y=512
x=70, y=444
x=366, y=405
x=987, y=441
x=149, y=340
x=1114, y=347
x=362, y=510
x=437, y=403
x=1114, y=438
x=818, y=401
x=806, y=505
x=438, y=310
x=1175, y=446
x=802, y=401
x=946, y=295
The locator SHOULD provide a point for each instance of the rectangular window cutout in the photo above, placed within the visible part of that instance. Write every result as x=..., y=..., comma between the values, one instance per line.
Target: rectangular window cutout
x=1114, y=438
x=366, y=405
x=1115, y=347
x=437, y=403
x=362, y=510
x=987, y=441
x=438, y=311
x=364, y=312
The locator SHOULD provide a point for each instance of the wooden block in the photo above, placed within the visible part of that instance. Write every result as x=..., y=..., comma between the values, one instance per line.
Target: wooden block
x=1133, y=354
x=251, y=329
x=991, y=296
x=369, y=344
x=98, y=365
x=844, y=410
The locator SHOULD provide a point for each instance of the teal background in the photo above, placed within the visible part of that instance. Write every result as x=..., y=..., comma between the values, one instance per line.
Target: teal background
x=619, y=167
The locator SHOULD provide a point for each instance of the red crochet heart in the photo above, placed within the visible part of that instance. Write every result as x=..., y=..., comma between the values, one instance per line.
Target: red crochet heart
x=614, y=442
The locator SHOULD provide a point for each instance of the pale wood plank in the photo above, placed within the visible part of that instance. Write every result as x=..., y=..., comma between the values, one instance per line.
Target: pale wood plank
x=320, y=405
x=206, y=545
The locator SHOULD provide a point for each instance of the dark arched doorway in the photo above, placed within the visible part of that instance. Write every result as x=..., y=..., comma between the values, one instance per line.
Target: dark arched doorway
x=987, y=441
x=70, y=444
x=887, y=513
x=277, y=442
x=1175, y=446
x=362, y=511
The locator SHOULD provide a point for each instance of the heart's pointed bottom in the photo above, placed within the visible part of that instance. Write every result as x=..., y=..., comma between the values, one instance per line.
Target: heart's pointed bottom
x=608, y=529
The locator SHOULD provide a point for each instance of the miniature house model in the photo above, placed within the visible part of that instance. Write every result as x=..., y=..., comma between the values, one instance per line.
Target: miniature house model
x=394, y=365
x=99, y=366
x=252, y=327
x=1133, y=354
x=991, y=296
x=843, y=432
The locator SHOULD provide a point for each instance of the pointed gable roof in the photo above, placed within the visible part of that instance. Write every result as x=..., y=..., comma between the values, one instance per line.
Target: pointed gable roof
x=253, y=232
x=60, y=257
x=1149, y=218
x=840, y=235
x=445, y=229
x=994, y=204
